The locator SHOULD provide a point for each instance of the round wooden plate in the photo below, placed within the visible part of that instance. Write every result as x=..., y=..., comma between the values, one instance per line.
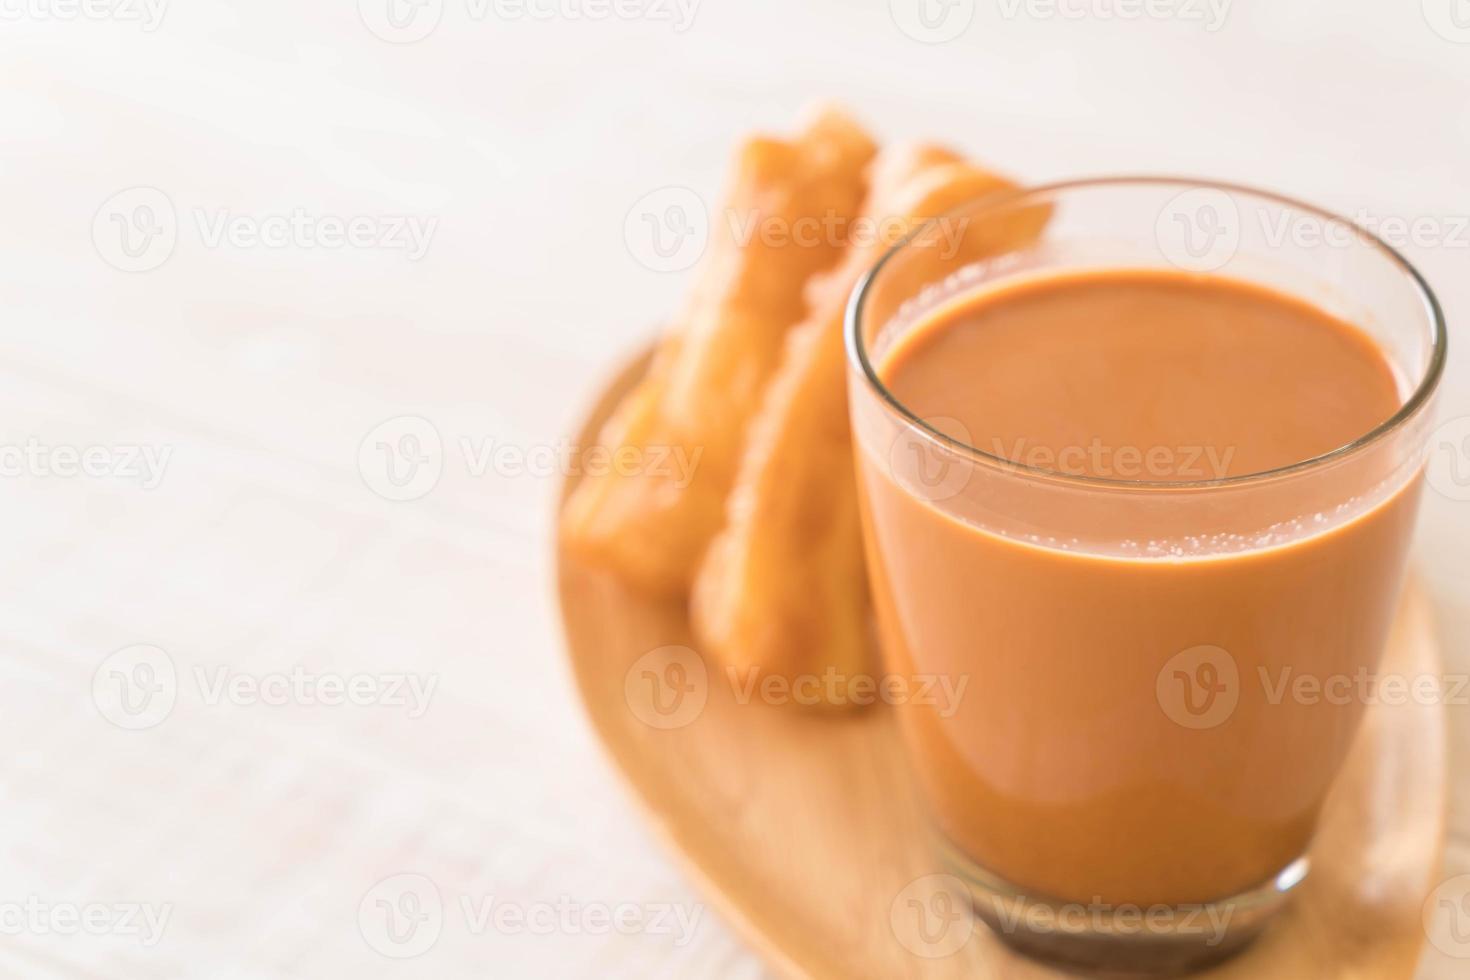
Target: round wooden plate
x=804, y=832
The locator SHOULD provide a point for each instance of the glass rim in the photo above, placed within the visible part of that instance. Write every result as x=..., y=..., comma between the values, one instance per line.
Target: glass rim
x=857, y=352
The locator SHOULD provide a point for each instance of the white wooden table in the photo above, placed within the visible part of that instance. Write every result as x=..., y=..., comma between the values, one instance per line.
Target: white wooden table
x=283, y=247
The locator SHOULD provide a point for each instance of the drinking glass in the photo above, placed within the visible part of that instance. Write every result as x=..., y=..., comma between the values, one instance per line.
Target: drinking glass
x=1124, y=783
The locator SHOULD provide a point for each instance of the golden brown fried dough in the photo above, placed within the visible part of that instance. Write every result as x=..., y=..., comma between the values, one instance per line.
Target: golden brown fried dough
x=652, y=521
x=783, y=588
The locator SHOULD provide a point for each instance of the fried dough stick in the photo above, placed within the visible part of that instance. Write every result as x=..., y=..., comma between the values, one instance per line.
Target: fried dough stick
x=679, y=434
x=783, y=587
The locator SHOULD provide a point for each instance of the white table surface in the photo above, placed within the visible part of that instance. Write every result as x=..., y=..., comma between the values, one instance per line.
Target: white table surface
x=261, y=829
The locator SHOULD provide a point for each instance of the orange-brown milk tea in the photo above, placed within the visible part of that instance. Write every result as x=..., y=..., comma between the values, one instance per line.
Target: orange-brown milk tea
x=1125, y=734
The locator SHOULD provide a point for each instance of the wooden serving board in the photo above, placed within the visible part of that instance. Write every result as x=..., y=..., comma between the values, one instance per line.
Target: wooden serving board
x=803, y=829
